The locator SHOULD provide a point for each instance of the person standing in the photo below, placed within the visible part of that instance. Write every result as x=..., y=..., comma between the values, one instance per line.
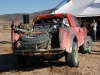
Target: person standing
x=13, y=25
x=94, y=29
x=98, y=28
x=84, y=23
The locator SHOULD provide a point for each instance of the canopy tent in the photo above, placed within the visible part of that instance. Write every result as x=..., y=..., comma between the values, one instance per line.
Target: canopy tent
x=81, y=8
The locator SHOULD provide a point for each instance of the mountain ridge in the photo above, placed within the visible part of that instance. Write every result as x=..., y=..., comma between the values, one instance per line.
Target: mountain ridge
x=19, y=16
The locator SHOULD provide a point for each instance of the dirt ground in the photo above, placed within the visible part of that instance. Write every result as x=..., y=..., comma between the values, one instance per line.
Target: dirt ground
x=89, y=64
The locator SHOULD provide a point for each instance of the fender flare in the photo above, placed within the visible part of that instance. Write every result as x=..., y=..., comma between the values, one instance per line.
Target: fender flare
x=73, y=38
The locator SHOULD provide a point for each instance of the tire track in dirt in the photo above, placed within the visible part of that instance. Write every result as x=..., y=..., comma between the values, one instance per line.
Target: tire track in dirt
x=90, y=63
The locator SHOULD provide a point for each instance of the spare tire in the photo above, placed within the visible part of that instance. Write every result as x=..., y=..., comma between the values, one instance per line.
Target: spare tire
x=36, y=38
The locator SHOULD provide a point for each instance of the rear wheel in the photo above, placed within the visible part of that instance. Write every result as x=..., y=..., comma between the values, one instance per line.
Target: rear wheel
x=72, y=58
x=24, y=61
x=87, y=47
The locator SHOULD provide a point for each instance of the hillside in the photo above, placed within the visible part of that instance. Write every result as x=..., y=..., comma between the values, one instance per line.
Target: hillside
x=19, y=16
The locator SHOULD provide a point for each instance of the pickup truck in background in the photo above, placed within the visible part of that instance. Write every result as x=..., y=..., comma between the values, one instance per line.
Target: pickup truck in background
x=51, y=36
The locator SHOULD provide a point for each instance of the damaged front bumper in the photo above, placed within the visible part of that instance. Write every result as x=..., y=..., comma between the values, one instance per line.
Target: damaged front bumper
x=39, y=52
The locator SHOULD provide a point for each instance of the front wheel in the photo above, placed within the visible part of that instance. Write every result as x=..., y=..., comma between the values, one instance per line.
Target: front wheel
x=72, y=58
x=87, y=46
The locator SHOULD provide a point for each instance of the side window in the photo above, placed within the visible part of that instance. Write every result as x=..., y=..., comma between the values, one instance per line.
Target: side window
x=76, y=21
x=65, y=22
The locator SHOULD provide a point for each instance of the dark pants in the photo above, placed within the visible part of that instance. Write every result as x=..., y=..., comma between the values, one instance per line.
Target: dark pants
x=98, y=31
x=94, y=35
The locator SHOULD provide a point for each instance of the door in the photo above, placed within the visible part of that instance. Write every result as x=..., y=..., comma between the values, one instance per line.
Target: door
x=78, y=30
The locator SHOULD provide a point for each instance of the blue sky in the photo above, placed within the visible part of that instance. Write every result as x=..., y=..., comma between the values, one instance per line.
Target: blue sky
x=26, y=6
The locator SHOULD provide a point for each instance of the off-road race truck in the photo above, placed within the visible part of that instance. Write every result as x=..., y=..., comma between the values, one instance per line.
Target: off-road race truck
x=52, y=36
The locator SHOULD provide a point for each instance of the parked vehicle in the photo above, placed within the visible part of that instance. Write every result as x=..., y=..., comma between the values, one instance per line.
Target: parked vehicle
x=52, y=35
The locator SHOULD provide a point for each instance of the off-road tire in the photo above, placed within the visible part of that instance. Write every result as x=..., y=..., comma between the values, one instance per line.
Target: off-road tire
x=24, y=61
x=72, y=58
x=37, y=38
x=87, y=47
